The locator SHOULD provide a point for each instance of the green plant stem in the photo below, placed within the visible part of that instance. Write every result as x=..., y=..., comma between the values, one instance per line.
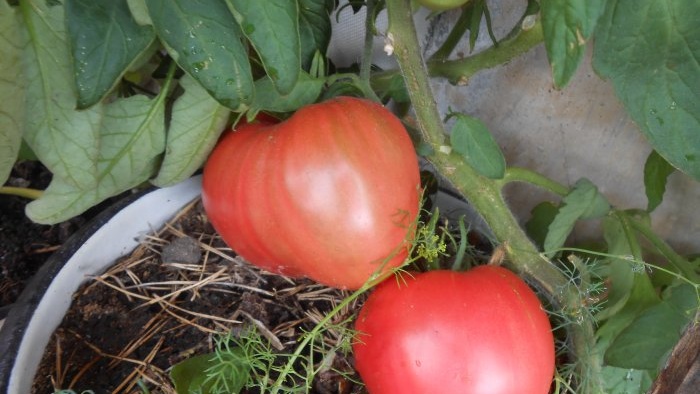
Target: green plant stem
x=24, y=192
x=485, y=194
x=518, y=174
x=366, y=64
x=455, y=36
x=678, y=261
x=517, y=43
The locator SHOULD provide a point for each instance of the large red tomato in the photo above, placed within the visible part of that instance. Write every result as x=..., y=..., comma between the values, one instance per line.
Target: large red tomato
x=331, y=193
x=482, y=331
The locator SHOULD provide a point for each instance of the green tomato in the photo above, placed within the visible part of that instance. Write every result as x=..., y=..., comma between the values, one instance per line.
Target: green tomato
x=442, y=5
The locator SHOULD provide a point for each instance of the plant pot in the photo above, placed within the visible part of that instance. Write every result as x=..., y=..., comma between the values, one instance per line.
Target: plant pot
x=114, y=233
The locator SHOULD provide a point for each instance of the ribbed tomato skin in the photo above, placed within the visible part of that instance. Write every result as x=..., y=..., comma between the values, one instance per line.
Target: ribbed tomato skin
x=478, y=332
x=331, y=193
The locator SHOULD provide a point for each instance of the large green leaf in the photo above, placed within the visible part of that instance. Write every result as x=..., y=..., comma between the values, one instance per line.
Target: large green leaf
x=64, y=139
x=625, y=380
x=196, y=124
x=643, y=343
x=583, y=202
x=105, y=40
x=314, y=28
x=205, y=40
x=567, y=25
x=470, y=138
x=131, y=139
x=272, y=26
x=650, y=50
x=12, y=87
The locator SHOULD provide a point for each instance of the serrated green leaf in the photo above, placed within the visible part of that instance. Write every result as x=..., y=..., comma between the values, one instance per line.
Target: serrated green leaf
x=656, y=173
x=272, y=27
x=583, y=202
x=13, y=41
x=64, y=139
x=196, y=124
x=205, y=40
x=567, y=25
x=649, y=49
x=105, y=40
x=644, y=343
x=314, y=28
x=541, y=217
x=132, y=137
x=470, y=138
x=625, y=380
x=267, y=98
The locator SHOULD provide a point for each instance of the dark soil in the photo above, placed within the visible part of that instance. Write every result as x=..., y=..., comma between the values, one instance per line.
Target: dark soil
x=24, y=245
x=166, y=303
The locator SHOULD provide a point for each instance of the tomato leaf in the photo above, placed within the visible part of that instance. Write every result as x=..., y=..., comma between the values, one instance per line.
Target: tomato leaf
x=567, y=25
x=196, y=124
x=623, y=274
x=625, y=380
x=205, y=40
x=131, y=138
x=272, y=27
x=12, y=87
x=649, y=49
x=314, y=28
x=656, y=173
x=471, y=139
x=643, y=343
x=64, y=139
x=306, y=91
x=541, y=217
x=105, y=40
x=192, y=376
x=583, y=202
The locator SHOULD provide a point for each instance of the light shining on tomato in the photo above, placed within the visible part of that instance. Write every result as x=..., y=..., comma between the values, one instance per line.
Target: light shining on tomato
x=331, y=193
x=479, y=332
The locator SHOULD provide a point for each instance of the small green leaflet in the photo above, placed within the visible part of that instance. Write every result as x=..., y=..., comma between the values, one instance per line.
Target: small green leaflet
x=656, y=173
x=13, y=40
x=541, y=217
x=196, y=124
x=583, y=202
x=191, y=376
x=272, y=27
x=625, y=380
x=305, y=92
x=105, y=40
x=567, y=25
x=314, y=28
x=471, y=139
x=642, y=344
x=649, y=50
x=205, y=40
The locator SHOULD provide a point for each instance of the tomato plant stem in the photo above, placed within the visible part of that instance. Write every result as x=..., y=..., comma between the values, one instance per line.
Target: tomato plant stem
x=483, y=193
x=24, y=192
x=366, y=64
x=519, y=174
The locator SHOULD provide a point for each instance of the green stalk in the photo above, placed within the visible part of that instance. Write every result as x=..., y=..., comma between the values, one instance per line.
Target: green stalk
x=24, y=192
x=483, y=193
x=518, y=174
x=517, y=43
